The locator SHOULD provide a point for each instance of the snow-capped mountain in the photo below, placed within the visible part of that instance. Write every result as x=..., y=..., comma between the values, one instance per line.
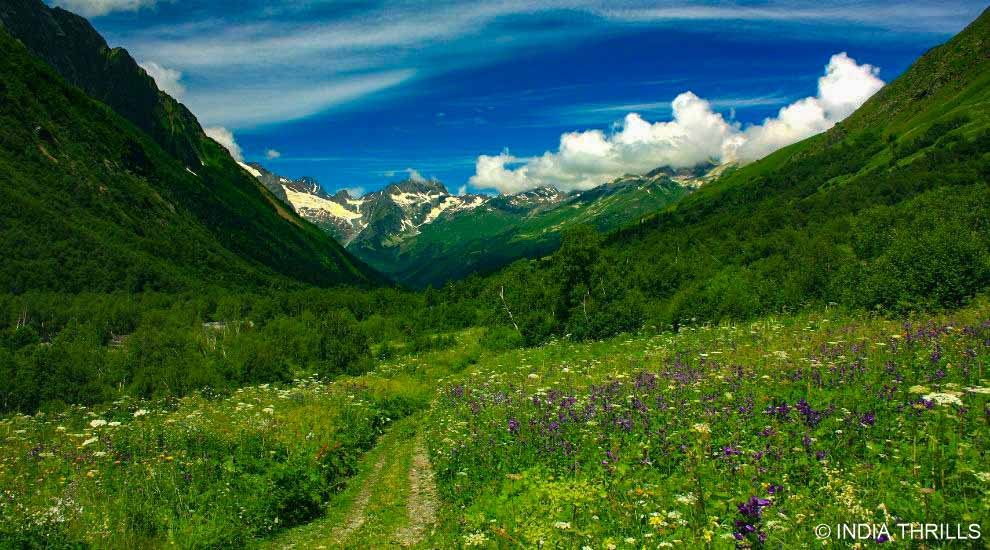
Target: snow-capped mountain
x=418, y=233
x=374, y=219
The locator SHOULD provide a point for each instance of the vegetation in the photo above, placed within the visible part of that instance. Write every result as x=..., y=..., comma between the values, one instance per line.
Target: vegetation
x=490, y=237
x=198, y=472
x=89, y=202
x=803, y=341
x=883, y=213
x=747, y=434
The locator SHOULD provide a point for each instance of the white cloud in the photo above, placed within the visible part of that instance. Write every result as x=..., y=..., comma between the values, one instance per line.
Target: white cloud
x=168, y=80
x=93, y=8
x=280, y=101
x=845, y=86
x=225, y=137
x=272, y=154
x=695, y=134
x=415, y=175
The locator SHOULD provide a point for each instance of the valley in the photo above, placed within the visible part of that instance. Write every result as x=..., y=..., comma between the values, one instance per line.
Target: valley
x=712, y=351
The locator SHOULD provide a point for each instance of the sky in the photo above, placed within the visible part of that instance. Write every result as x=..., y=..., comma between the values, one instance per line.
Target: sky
x=502, y=96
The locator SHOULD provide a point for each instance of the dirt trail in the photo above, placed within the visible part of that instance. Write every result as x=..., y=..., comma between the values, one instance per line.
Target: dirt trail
x=392, y=502
x=356, y=515
x=421, y=506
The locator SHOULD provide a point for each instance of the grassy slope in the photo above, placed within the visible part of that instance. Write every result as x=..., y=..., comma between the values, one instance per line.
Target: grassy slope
x=90, y=202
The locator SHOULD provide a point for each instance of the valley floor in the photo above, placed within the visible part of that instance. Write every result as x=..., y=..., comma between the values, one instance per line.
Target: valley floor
x=715, y=436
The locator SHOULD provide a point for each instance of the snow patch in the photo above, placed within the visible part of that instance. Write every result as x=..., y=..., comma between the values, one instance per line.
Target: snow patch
x=249, y=169
x=313, y=202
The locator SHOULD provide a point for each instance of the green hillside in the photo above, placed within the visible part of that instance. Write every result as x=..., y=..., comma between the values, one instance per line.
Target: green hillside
x=90, y=201
x=490, y=237
x=888, y=210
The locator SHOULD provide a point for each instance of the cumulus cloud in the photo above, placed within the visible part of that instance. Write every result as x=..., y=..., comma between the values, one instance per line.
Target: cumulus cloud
x=272, y=154
x=696, y=134
x=168, y=80
x=225, y=137
x=93, y=8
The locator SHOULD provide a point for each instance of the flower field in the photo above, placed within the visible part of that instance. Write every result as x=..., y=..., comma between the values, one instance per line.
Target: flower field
x=746, y=434
x=200, y=471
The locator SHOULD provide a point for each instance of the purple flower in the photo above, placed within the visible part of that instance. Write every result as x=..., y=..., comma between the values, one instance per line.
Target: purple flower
x=868, y=419
x=513, y=426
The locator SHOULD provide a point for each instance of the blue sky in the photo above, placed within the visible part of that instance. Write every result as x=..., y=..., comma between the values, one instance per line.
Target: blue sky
x=355, y=92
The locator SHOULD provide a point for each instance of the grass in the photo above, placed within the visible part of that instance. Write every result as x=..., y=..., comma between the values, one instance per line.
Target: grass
x=717, y=435
x=747, y=433
x=194, y=472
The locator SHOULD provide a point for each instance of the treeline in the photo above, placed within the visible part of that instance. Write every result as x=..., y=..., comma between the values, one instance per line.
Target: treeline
x=57, y=349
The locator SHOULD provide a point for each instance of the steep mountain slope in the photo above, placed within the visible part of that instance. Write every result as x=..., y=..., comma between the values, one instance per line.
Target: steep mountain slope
x=890, y=209
x=92, y=202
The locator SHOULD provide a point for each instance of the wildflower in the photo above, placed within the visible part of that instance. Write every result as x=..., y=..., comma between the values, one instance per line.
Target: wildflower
x=630, y=540
x=98, y=423
x=268, y=410
x=562, y=525
x=943, y=398
x=686, y=499
x=918, y=389
x=702, y=428
x=89, y=441
x=475, y=539
x=868, y=419
x=140, y=412
x=113, y=424
x=513, y=426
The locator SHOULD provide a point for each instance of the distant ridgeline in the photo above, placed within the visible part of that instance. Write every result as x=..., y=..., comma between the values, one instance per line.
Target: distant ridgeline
x=418, y=233
x=888, y=210
x=107, y=183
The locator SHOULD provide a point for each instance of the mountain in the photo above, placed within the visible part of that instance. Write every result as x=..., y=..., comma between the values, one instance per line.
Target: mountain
x=373, y=220
x=889, y=210
x=526, y=225
x=110, y=184
x=420, y=234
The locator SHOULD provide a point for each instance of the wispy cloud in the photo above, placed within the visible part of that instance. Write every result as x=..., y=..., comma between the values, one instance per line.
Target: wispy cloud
x=94, y=8
x=254, y=63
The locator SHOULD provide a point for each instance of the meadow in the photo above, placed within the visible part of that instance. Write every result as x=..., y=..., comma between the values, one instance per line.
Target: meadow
x=199, y=471
x=746, y=434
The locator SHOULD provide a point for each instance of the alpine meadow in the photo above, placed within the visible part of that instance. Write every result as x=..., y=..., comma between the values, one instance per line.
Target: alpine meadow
x=702, y=274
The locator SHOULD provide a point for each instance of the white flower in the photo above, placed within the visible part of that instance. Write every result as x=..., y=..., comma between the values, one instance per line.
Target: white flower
x=268, y=410
x=475, y=539
x=562, y=525
x=702, y=428
x=90, y=440
x=630, y=540
x=113, y=424
x=140, y=412
x=943, y=398
x=98, y=422
x=917, y=389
